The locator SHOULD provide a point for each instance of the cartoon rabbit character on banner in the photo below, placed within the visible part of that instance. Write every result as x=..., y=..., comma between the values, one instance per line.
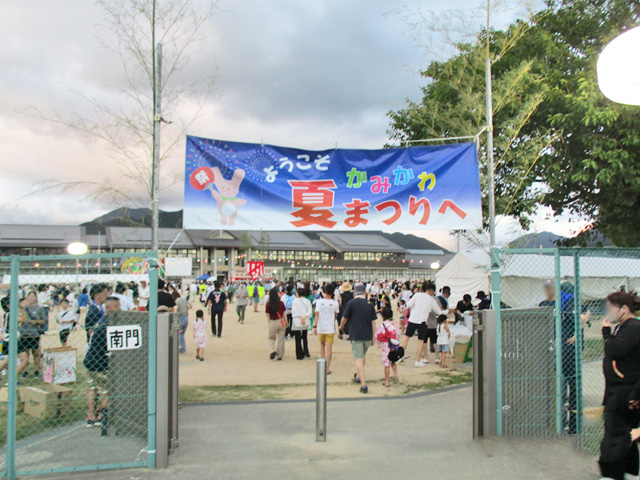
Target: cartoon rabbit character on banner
x=227, y=195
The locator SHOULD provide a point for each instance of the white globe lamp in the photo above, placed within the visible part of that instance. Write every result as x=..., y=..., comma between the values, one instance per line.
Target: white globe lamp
x=619, y=68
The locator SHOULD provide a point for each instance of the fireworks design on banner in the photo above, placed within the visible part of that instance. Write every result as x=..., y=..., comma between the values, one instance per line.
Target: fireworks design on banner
x=258, y=163
x=213, y=153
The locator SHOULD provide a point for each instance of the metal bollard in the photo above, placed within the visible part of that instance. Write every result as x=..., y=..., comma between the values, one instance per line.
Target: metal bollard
x=321, y=400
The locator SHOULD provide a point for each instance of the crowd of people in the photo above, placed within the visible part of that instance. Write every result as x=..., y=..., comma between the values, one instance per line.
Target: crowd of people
x=344, y=310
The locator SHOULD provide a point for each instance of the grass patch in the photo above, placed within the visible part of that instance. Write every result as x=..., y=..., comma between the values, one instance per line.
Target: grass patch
x=232, y=393
x=246, y=393
x=446, y=379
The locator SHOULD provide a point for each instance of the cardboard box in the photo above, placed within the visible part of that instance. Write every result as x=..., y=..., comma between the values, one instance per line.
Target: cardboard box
x=461, y=352
x=46, y=401
x=4, y=398
x=59, y=365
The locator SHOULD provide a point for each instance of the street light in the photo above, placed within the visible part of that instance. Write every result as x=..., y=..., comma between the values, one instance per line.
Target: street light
x=619, y=68
x=435, y=265
x=77, y=248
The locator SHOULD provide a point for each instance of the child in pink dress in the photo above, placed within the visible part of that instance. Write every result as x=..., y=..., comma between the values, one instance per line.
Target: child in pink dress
x=386, y=334
x=200, y=335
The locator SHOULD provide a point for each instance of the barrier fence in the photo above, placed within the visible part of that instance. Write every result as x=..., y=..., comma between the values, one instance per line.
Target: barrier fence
x=79, y=383
x=549, y=305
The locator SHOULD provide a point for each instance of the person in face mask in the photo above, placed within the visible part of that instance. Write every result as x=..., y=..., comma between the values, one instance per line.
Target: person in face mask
x=621, y=367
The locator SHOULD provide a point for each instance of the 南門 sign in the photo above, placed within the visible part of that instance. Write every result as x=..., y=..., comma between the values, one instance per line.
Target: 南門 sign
x=125, y=337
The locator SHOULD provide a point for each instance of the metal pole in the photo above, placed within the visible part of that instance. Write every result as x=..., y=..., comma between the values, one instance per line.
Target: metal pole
x=490, y=165
x=577, y=301
x=153, y=340
x=321, y=400
x=12, y=400
x=558, y=347
x=495, y=300
x=155, y=182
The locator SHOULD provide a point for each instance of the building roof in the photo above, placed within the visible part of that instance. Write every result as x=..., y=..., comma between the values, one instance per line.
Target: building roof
x=286, y=241
x=359, y=242
x=39, y=235
x=139, y=237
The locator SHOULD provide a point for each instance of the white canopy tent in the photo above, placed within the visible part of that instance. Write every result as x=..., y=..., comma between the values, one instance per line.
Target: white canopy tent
x=523, y=276
x=463, y=276
x=83, y=279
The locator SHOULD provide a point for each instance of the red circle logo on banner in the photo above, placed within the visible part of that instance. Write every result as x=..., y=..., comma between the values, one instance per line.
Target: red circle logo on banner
x=201, y=178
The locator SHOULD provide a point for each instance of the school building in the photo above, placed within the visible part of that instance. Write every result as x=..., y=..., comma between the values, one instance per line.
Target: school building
x=222, y=254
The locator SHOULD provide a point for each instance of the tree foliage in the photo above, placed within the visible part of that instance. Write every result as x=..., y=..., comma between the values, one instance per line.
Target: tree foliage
x=558, y=141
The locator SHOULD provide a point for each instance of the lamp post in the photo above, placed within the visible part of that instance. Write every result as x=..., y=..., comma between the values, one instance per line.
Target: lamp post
x=619, y=68
x=77, y=248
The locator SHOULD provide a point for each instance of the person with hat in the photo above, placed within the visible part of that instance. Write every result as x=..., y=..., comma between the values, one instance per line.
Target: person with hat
x=346, y=295
x=360, y=315
x=485, y=300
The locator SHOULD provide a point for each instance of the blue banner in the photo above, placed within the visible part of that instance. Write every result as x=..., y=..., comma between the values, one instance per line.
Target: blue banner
x=246, y=186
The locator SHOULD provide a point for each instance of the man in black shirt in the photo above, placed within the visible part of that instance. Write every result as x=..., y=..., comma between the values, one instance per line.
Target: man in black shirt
x=217, y=305
x=485, y=301
x=166, y=303
x=360, y=314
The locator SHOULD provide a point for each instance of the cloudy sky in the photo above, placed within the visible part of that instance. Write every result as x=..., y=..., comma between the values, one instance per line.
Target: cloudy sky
x=303, y=73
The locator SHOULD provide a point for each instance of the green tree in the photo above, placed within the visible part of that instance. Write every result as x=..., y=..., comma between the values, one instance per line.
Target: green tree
x=558, y=141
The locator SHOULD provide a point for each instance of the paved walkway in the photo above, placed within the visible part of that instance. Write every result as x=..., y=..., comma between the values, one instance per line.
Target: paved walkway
x=419, y=437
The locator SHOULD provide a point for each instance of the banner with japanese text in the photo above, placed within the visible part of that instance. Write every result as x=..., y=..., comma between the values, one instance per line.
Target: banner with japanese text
x=245, y=186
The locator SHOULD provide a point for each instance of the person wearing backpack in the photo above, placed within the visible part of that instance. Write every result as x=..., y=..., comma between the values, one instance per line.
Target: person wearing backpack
x=345, y=296
x=388, y=339
x=289, y=297
x=275, y=310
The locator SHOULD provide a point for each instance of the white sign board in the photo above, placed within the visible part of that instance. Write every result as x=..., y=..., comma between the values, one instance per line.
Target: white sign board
x=125, y=337
x=178, y=267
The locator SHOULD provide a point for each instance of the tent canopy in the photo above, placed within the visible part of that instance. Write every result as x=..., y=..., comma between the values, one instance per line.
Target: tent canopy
x=523, y=276
x=463, y=276
x=204, y=276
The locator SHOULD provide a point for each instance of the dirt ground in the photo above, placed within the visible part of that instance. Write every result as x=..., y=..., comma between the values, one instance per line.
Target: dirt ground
x=241, y=357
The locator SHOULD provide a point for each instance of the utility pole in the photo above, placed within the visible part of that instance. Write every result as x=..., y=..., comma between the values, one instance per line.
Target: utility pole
x=157, y=118
x=495, y=259
x=490, y=165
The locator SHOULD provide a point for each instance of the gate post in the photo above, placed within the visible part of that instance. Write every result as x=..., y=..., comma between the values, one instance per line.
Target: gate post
x=12, y=399
x=495, y=303
x=577, y=305
x=558, y=345
x=153, y=341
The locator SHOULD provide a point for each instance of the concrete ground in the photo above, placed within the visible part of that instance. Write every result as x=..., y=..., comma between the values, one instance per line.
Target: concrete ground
x=410, y=437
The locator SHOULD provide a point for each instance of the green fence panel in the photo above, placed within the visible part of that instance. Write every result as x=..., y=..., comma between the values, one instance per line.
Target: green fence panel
x=80, y=376
x=550, y=307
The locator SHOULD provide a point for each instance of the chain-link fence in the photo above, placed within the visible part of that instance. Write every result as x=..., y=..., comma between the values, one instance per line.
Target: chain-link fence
x=549, y=307
x=77, y=365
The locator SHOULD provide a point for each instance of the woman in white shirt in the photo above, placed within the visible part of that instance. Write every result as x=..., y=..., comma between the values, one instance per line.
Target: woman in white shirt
x=301, y=312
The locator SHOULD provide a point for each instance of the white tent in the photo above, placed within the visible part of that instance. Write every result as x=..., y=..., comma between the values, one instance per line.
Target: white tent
x=83, y=279
x=523, y=276
x=463, y=276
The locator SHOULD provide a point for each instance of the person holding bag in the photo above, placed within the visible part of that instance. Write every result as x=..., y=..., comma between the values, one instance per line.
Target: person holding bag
x=277, y=324
x=301, y=312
